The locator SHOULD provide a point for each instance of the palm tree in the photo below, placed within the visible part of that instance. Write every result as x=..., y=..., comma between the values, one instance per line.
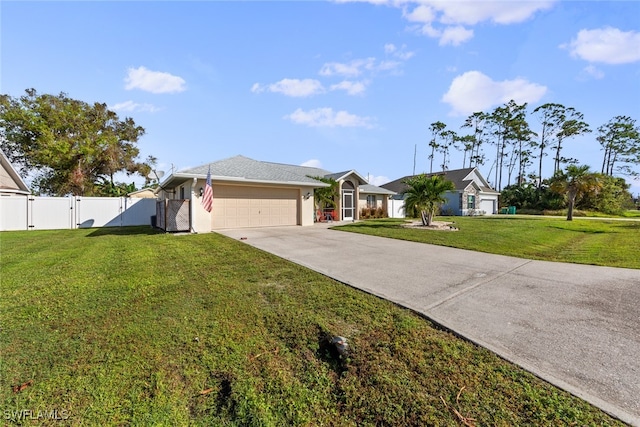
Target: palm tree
x=325, y=197
x=425, y=194
x=576, y=181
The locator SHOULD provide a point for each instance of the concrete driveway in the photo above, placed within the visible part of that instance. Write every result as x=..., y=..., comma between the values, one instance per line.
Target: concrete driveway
x=576, y=326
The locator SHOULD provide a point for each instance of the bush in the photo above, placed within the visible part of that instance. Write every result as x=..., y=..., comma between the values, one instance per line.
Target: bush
x=367, y=213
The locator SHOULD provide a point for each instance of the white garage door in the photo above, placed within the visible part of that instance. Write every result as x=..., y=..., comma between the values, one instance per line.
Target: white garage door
x=488, y=206
x=238, y=206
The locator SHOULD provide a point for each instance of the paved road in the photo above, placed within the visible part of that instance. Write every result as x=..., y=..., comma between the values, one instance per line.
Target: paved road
x=576, y=326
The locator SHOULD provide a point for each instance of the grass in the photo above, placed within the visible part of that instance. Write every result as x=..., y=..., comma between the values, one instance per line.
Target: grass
x=630, y=213
x=129, y=327
x=584, y=241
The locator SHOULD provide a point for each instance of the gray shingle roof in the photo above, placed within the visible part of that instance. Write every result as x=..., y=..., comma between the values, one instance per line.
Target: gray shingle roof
x=244, y=167
x=456, y=176
x=373, y=189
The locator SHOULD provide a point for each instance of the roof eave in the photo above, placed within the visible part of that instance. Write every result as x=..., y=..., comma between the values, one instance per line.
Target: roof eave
x=180, y=178
x=15, y=191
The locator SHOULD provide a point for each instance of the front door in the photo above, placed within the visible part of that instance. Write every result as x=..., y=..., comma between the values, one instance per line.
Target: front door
x=348, y=208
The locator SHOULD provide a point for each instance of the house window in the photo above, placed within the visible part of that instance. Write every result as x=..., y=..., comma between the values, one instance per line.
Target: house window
x=471, y=201
x=182, y=192
x=371, y=201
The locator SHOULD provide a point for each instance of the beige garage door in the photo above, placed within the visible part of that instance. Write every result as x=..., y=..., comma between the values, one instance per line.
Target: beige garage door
x=238, y=206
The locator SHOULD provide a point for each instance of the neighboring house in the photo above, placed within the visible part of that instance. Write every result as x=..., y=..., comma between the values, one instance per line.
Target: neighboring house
x=145, y=193
x=252, y=193
x=14, y=197
x=472, y=195
x=10, y=181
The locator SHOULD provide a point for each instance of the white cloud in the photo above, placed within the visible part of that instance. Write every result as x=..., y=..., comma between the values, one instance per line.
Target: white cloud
x=608, y=45
x=352, y=88
x=446, y=20
x=312, y=163
x=377, y=180
x=404, y=55
x=389, y=48
x=499, y=12
x=357, y=67
x=592, y=72
x=131, y=106
x=326, y=117
x=153, y=81
x=350, y=69
x=363, y=1
x=474, y=91
x=422, y=13
x=455, y=36
x=292, y=87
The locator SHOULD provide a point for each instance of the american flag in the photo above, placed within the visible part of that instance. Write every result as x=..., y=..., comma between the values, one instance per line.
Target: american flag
x=207, y=196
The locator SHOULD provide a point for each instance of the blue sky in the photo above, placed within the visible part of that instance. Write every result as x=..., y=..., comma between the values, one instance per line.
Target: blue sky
x=339, y=85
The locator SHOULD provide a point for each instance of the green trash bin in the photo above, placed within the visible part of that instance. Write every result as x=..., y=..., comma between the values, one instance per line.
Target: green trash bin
x=512, y=210
x=504, y=211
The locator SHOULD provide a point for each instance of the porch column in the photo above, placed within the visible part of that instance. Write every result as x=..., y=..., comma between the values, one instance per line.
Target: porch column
x=339, y=204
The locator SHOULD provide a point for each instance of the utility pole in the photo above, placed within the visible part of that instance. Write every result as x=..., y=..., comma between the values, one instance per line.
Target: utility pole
x=415, y=151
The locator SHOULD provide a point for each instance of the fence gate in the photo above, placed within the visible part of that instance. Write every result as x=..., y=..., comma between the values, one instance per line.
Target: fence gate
x=173, y=215
x=98, y=212
x=51, y=213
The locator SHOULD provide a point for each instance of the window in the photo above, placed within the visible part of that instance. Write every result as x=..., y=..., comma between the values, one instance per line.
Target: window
x=371, y=201
x=471, y=201
x=182, y=192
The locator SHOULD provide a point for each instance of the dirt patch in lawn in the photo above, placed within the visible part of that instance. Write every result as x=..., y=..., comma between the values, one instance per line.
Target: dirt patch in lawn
x=435, y=225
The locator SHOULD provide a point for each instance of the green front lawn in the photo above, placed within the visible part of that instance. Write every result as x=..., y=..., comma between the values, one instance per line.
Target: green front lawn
x=130, y=327
x=585, y=241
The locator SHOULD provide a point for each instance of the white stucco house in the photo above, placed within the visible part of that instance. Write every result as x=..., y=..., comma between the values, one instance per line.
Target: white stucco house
x=11, y=184
x=253, y=193
x=472, y=194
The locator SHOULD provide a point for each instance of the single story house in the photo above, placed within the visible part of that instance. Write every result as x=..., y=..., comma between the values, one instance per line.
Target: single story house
x=11, y=184
x=472, y=194
x=253, y=193
x=14, y=197
x=145, y=193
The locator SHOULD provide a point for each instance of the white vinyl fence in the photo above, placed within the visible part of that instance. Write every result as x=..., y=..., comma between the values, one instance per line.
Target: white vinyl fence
x=54, y=213
x=396, y=208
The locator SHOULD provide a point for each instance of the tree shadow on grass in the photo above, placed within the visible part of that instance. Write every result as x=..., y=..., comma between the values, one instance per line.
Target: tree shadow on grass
x=125, y=231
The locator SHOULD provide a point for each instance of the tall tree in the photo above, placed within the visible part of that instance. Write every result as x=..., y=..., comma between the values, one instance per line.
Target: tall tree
x=577, y=180
x=436, y=129
x=572, y=125
x=519, y=136
x=425, y=194
x=72, y=147
x=551, y=116
x=620, y=140
x=476, y=121
x=496, y=123
x=449, y=139
x=467, y=144
x=506, y=122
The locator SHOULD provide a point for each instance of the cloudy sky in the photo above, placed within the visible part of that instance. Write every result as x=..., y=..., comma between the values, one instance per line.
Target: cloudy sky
x=341, y=85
